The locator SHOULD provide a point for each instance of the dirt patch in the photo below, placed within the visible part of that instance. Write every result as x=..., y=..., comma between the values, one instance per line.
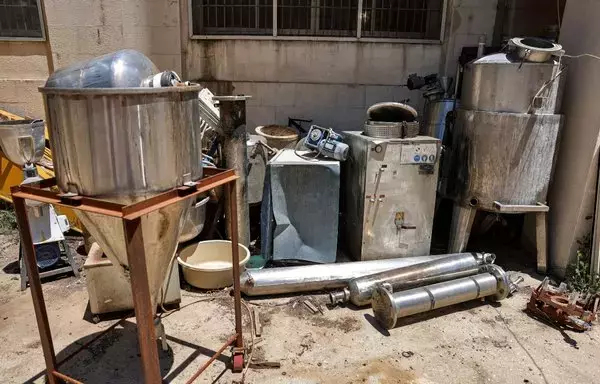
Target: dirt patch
x=345, y=324
x=382, y=372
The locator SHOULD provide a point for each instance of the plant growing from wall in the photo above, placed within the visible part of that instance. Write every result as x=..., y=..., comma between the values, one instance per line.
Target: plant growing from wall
x=578, y=276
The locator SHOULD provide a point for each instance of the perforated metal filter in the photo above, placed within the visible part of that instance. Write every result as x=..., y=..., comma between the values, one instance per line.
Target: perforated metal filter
x=390, y=130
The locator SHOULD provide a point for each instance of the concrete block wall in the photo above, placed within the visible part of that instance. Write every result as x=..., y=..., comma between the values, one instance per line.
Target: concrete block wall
x=332, y=82
x=467, y=20
x=274, y=103
x=80, y=30
x=23, y=68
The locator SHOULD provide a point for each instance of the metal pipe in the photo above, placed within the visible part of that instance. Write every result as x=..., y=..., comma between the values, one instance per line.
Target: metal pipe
x=233, y=124
x=360, y=290
x=388, y=307
x=274, y=281
x=229, y=341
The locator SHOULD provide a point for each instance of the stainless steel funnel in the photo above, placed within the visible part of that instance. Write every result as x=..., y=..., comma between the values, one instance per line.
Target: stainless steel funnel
x=22, y=141
x=125, y=145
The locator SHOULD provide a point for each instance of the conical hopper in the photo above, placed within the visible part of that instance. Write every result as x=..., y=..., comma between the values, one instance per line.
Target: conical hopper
x=125, y=145
x=22, y=141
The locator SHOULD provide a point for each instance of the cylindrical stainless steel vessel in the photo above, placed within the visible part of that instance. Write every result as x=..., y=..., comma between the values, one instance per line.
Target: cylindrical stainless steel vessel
x=435, y=117
x=125, y=145
x=505, y=157
x=360, y=290
x=388, y=307
x=274, y=281
x=500, y=83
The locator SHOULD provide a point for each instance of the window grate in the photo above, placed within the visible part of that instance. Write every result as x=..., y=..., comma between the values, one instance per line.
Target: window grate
x=317, y=17
x=20, y=19
x=226, y=17
x=409, y=19
x=412, y=19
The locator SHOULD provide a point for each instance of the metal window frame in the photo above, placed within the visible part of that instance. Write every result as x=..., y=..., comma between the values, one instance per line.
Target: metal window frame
x=42, y=27
x=257, y=6
x=357, y=38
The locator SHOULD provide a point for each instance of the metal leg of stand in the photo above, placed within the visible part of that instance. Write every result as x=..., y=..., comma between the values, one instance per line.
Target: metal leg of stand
x=22, y=267
x=460, y=230
x=70, y=259
x=238, y=351
x=37, y=295
x=541, y=241
x=142, y=302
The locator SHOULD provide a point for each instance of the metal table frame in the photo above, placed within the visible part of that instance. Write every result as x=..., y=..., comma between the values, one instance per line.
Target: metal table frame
x=131, y=219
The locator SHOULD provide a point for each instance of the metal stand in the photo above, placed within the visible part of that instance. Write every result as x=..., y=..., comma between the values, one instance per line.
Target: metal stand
x=53, y=272
x=462, y=221
x=131, y=218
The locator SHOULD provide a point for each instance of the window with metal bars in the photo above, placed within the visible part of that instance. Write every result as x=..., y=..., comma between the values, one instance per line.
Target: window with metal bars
x=409, y=19
x=232, y=17
x=401, y=19
x=21, y=20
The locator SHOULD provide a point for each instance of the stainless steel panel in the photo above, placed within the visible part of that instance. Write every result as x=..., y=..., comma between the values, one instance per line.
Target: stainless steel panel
x=389, y=197
x=304, y=197
x=496, y=83
x=503, y=157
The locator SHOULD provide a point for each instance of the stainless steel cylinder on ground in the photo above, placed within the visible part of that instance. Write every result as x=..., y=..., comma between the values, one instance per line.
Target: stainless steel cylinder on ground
x=275, y=281
x=233, y=124
x=453, y=266
x=388, y=307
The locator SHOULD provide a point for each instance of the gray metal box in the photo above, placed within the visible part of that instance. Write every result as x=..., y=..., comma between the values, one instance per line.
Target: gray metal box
x=303, y=208
x=388, y=196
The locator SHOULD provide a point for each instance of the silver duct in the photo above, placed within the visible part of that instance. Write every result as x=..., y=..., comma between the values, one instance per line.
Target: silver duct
x=274, y=281
x=453, y=266
x=388, y=307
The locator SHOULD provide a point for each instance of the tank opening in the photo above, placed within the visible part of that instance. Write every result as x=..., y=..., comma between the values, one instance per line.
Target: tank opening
x=473, y=202
x=535, y=42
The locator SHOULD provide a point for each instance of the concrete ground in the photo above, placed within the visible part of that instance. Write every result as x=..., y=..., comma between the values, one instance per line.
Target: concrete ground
x=476, y=342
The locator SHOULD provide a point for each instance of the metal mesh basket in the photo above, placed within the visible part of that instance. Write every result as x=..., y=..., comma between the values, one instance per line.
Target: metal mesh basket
x=391, y=130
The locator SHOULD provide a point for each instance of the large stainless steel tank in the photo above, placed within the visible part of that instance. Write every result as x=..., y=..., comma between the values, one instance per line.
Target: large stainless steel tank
x=505, y=157
x=505, y=137
x=125, y=145
x=502, y=83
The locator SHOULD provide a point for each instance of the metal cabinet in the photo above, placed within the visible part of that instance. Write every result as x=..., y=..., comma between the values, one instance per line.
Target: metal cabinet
x=388, y=197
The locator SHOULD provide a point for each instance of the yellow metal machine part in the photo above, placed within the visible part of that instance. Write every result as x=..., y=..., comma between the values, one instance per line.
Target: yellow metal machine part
x=11, y=174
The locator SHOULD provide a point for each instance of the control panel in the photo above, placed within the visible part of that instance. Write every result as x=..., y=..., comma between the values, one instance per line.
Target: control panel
x=419, y=154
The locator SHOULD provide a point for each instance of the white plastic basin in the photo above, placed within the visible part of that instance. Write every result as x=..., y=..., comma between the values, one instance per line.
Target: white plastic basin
x=207, y=264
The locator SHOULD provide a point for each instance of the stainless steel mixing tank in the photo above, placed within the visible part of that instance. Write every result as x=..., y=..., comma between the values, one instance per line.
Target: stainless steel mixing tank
x=126, y=145
x=504, y=142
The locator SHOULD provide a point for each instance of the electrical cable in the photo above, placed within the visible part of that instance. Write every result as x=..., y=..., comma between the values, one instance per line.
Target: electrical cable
x=252, y=343
x=582, y=55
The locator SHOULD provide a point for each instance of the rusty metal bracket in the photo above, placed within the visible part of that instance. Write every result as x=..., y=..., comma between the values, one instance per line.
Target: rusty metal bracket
x=130, y=216
x=558, y=308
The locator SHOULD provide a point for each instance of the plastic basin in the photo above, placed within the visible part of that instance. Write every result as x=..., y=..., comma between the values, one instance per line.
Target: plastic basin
x=207, y=264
